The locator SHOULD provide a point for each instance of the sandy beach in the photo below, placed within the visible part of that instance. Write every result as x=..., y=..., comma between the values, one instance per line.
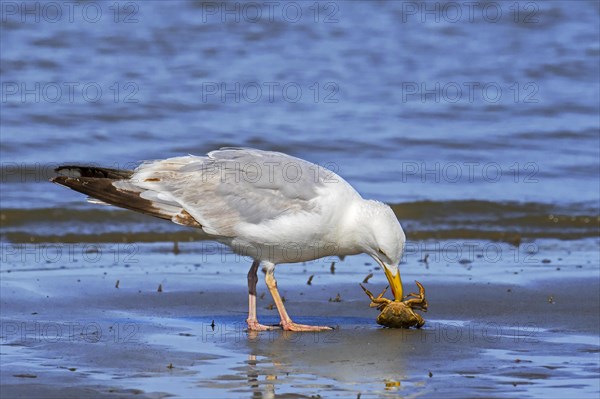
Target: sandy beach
x=490, y=332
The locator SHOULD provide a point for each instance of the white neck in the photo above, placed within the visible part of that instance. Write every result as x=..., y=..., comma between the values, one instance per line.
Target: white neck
x=351, y=231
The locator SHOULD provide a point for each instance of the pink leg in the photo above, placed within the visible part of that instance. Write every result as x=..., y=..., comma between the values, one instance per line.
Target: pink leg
x=286, y=321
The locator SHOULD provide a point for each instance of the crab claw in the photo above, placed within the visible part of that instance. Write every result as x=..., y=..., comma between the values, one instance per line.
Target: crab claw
x=417, y=301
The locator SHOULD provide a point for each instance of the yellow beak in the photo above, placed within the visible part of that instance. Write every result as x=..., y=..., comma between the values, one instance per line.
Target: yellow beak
x=395, y=283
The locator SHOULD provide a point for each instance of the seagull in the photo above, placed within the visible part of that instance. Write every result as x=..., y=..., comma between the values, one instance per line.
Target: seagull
x=269, y=206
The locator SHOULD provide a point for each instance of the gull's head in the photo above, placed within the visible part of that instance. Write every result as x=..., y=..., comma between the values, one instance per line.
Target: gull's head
x=384, y=239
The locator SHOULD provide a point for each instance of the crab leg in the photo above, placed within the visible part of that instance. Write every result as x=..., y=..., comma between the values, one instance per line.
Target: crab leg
x=371, y=295
x=378, y=302
x=417, y=300
x=421, y=293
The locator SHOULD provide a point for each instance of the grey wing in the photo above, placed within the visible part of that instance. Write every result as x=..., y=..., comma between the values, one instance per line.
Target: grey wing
x=232, y=187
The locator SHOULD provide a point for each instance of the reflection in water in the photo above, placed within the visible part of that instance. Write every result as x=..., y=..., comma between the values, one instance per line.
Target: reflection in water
x=266, y=391
x=352, y=360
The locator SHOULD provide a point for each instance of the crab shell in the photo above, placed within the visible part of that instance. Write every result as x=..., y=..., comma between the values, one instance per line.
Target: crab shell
x=399, y=315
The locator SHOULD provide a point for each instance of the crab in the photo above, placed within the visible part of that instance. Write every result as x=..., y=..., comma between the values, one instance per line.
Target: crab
x=399, y=314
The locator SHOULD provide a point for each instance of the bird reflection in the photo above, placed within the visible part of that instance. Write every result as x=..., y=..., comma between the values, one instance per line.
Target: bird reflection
x=259, y=391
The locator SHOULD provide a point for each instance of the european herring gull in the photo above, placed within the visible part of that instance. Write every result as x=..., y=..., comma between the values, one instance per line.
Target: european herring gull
x=267, y=205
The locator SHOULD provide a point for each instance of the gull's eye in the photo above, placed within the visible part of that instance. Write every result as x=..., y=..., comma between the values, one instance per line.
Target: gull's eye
x=382, y=253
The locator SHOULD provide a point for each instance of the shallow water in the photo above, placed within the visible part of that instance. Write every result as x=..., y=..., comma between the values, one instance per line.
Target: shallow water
x=115, y=93
x=522, y=166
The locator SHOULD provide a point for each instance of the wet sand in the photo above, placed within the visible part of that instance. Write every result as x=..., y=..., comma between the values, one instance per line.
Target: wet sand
x=493, y=330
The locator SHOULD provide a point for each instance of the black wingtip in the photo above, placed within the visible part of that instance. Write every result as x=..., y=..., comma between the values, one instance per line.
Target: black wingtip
x=93, y=171
x=62, y=180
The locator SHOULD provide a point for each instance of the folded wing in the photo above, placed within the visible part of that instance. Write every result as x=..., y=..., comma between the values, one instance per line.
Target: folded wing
x=232, y=187
x=219, y=193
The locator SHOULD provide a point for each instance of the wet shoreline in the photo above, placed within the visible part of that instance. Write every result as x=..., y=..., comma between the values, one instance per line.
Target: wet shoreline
x=488, y=332
x=509, y=222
